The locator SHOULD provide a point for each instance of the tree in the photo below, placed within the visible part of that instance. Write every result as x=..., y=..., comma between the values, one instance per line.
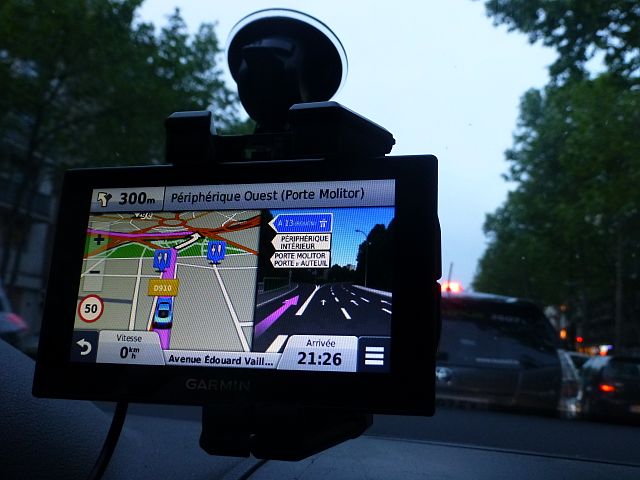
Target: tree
x=84, y=84
x=569, y=232
x=578, y=30
x=373, y=258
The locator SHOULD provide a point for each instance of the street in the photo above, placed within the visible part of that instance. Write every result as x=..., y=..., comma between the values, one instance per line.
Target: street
x=330, y=309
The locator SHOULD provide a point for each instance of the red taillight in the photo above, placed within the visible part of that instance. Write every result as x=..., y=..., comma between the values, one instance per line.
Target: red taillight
x=451, y=287
x=17, y=321
x=605, y=387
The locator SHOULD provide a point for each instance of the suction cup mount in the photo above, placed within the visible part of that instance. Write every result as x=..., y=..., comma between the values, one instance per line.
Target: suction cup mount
x=287, y=65
x=281, y=57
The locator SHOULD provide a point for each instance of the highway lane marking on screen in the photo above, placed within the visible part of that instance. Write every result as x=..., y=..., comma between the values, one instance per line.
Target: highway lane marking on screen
x=262, y=304
x=277, y=344
x=307, y=301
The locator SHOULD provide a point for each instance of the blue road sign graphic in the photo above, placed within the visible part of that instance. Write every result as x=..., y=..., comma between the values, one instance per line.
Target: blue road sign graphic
x=161, y=259
x=216, y=250
x=303, y=223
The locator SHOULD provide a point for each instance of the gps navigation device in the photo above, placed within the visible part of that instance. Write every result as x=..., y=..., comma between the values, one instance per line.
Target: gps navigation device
x=248, y=284
x=286, y=280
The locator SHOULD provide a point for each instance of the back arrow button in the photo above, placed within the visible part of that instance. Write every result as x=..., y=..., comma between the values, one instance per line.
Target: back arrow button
x=85, y=346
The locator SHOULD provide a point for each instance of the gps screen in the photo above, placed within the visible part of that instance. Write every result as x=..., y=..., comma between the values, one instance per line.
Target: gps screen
x=266, y=276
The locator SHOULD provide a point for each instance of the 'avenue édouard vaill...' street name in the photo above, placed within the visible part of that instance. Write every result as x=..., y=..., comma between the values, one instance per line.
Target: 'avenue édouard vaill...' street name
x=232, y=360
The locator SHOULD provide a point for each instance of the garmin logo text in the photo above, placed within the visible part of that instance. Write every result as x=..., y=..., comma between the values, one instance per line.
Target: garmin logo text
x=214, y=385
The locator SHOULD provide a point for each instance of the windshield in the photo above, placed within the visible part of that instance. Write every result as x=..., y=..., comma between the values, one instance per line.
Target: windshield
x=532, y=108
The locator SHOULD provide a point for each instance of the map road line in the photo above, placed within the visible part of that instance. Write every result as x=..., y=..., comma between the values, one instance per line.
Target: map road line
x=193, y=239
x=139, y=235
x=153, y=309
x=234, y=315
x=134, y=306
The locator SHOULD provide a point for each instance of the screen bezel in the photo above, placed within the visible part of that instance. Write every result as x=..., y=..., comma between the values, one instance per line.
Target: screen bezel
x=408, y=387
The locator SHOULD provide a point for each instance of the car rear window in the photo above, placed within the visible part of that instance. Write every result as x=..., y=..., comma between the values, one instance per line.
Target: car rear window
x=496, y=335
x=623, y=369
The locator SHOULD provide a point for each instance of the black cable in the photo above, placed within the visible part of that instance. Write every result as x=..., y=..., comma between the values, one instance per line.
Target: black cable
x=110, y=442
x=246, y=475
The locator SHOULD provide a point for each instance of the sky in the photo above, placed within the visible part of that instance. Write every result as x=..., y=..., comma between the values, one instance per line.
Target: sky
x=438, y=75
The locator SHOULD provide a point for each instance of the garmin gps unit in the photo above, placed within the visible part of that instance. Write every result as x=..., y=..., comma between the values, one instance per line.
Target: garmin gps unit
x=285, y=280
x=254, y=281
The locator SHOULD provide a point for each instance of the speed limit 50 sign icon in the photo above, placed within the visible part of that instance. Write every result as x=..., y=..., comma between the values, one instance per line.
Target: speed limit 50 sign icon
x=90, y=308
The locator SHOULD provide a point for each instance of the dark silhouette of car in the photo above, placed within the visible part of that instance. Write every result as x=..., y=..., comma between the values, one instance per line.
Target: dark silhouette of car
x=163, y=318
x=502, y=352
x=611, y=388
x=12, y=326
x=578, y=359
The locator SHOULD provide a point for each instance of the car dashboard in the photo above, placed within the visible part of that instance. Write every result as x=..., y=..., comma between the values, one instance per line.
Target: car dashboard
x=61, y=439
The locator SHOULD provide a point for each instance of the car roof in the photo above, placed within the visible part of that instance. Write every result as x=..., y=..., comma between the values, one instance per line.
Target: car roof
x=624, y=358
x=485, y=298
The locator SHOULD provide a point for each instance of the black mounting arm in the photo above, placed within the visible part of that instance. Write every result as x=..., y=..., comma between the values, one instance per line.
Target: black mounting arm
x=317, y=130
x=277, y=434
x=286, y=67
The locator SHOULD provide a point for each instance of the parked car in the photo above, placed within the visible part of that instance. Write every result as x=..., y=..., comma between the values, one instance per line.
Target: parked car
x=503, y=352
x=12, y=326
x=578, y=359
x=611, y=388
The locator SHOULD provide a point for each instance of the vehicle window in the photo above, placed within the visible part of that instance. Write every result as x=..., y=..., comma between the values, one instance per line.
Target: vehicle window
x=623, y=370
x=495, y=335
x=532, y=108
